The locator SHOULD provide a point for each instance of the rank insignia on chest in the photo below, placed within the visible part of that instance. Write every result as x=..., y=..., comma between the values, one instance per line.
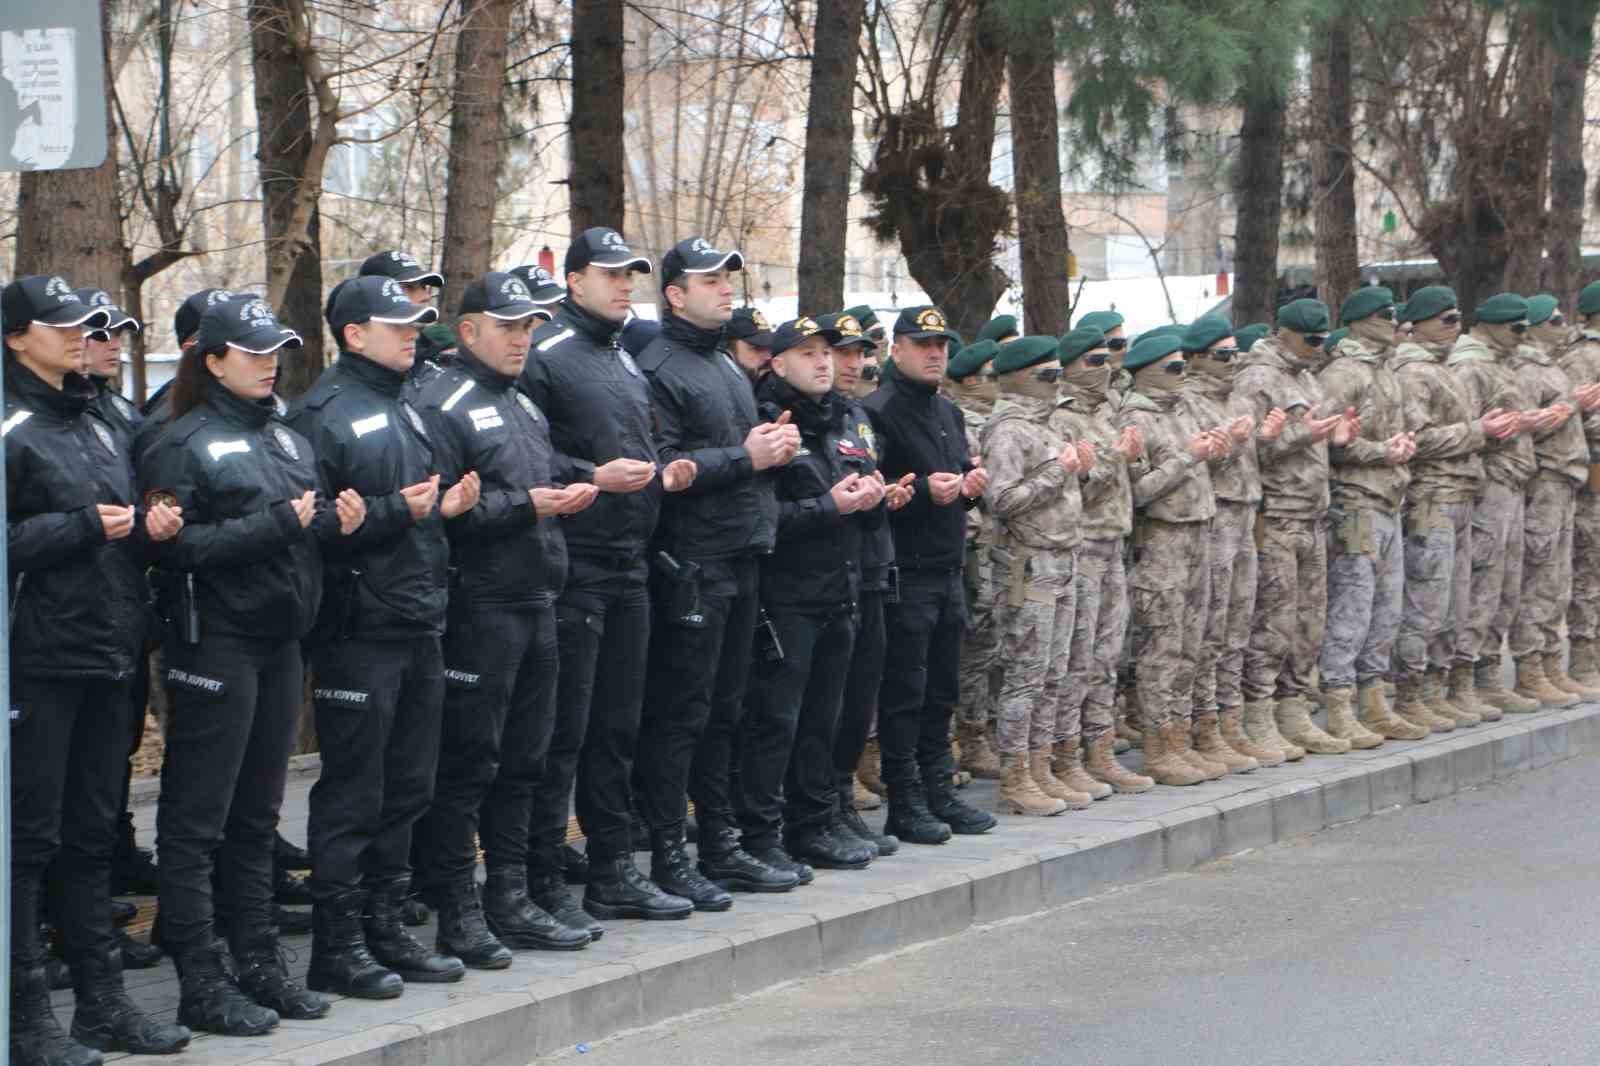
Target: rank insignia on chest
x=104, y=436
x=527, y=405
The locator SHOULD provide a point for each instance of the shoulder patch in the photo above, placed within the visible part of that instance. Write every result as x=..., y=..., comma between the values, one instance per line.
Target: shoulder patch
x=550, y=342
x=14, y=421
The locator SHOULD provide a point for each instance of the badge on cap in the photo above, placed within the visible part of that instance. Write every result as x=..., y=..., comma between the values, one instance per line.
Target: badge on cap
x=760, y=320
x=285, y=441
x=805, y=326
x=932, y=318
x=101, y=298
x=613, y=239
x=514, y=289
x=848, y=326
x=160, y=497
x=527, y=405
x=57, y=286
x=256, y=312
x=392, y=289
x=404, y=259
x=700, y=246
x=104, y=436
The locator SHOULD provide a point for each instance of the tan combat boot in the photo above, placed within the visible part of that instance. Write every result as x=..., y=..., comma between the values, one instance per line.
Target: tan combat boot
x=1533, y=685
x=1209, y=742
x=1436, y=693
x=1412, y=706
x=1491, y=690
x=977, y=757
x=1585, y=665
x=1557, y=675
x=1343, y=724
x=1377, y=715
x=1464, y=693
x=869, y=768
x=1181, y=744
x=1230, y=720
x=1163, y=764
x=1102, y=765
x=1054, y=787
x=1294, y=722
x=1261, y=726
x=1127, y=728
x=1067, y=767
x=1019, y=793
x=864, y=798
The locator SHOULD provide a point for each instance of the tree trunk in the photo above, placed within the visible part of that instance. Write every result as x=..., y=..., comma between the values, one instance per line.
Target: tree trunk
x=595, y=145
x=1525, y=180
x=1574, y=37
x=830, y=133
x=476, y=134
x=1258, y=190
x=1333, y=164
x=1035, y=131
x=69, y=221
x=284, y=155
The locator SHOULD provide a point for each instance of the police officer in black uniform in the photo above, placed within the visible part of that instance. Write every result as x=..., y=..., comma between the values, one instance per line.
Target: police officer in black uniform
x=377, y=667
x=704, y=573
x=157, y=410
x=102, y=361
x=509, y=560
x=77, y=599
x=923, y=434
x=417, y=282
x=243, y=585
x=598, y=405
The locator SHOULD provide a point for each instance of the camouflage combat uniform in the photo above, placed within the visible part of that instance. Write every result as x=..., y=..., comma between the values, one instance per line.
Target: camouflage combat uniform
x=1581, y=361
x=982, y=670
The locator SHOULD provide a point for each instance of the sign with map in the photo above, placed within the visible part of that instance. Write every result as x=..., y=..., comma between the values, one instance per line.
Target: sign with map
x=52, y=88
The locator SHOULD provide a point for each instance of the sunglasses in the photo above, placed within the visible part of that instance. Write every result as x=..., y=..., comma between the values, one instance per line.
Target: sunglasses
x=1388, y=314
x=1451, y=319
x=1316, y=340
x=1558, y=320
x=1177, y=366
x=1519, y=328
x=1222, y=355
x=1096, y=358
x=1049, y=374
x=1116, y=344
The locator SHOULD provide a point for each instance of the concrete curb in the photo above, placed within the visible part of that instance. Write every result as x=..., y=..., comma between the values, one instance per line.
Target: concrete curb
x=506, y=1019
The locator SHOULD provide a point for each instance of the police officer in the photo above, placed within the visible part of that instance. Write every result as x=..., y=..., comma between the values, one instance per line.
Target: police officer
x=417, y=282
x=704, y=577
x=809, y=587
x=76, y=593
x=750, y=342
x=509, y=562
x=921, y=433
x=377, y=668
x=157, y=410
x=598, y=404
x=245, y=583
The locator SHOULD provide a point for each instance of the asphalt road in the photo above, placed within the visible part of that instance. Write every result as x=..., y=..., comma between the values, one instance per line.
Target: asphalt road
x=1462, y=931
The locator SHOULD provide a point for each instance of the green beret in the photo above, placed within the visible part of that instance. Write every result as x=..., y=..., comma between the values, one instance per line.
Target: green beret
x=1303, y=316
x=1364, y=303
x=1104, y=321
x=1171, y=329
x=1025, y=352
x=1248, y=335
x=1427, y=303
x=999, y=328
x=1589, y=299
x=1150, y=349
x=971, y=359
x=863, y=314
x=1501, y=308
x=1079, y=342
x=1204, y=332
x=1334, y=338
x=1541, y=307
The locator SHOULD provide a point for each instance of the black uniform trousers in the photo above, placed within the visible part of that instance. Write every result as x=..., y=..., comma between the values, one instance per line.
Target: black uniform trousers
x=790, y=726
x=603, y=631
x=860, y=694
x=235, y=716
x=379, y=705
x=921, y=676
x=695, y=697
x=499, y=711
x=69, y=739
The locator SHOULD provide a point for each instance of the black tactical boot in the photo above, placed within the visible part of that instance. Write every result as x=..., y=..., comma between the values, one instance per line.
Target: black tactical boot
x=618, y=890
x=550, y=895
x=290, y=856
x=133, y=869
x=340, y=961
x=264, y=977
x=946, y=806
x=825, y=849
x=574, y=865
x=848, y=820
x=137, y=955
x=513, y=917
x=397, y=949
x=909, y=818
x=671, y=868
x=211, y=1000
x=106, y=1018
x=463, y=931
x=774, y=856
x=36, y=1036
x=725, y=862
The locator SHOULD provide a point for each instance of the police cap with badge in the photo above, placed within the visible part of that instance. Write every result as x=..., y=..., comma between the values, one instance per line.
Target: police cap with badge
x=498, y=295
x=50, y=300
x=748, y=324
x=119, y=319
x=696, y=256
x=187, y=319
x=244, y=322
x=543, y=289
x=844, y=330
x=402, y=267
x=923, y=322
x=602, y=246
x=370, y=298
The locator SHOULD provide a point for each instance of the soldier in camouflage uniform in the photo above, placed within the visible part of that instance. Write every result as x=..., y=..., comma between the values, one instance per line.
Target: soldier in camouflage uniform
x=1033, y=494
x=1084, y=729
x=1171, y=580
x=1366, y=549
x=1292, y=588
x=1580, y=358
x=971, y=387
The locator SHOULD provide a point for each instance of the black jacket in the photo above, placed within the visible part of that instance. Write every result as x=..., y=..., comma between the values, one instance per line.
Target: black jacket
x=922, y=433
x=79, y=603
x=599, y=409
x=118, y=413
x=387, y=580
x=817, y=560
x=877, y=543
x=501, y=551
x=704, y=408
x=233, y=469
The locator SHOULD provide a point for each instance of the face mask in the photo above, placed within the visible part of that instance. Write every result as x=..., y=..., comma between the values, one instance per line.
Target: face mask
x=1156, y=382
x=1027, y=383
x=1375, y=332
x=978, y=389
x=1092, y=381
x=1213, y=369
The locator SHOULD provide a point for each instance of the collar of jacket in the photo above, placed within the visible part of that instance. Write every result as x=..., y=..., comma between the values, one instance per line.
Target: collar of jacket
x=1530, y=353
x=686, y=333
x=1269, y=352
x=1470, y=349
x=30, y=389
x=601, y=331
x=239, y=410
x=1212, y=388
x=1350, y=348
x=1033, y=408
x=811, y=416
x=1138, y=401
x=915, y=391
x=467, y=360
x=375, y=375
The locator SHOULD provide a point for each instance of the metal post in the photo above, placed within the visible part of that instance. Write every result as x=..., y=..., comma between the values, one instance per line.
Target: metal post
x=5, y=754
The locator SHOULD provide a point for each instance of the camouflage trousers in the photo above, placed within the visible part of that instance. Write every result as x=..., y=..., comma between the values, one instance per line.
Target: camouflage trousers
x=981, y=667
x=1171, y=586
x=1497, y=542
x=1583, y=617
x=1366, y=582
x=1085, y=703
x=1233, y=601
x=1546, y=565
x=1291, y=608
x=1433, y=611
x=1038, y=640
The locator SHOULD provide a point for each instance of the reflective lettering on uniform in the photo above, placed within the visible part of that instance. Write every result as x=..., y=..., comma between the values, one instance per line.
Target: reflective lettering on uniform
x=455, y=397
x=364, y=426
x=339, y=695
x=220, y=448
x=197, y=682
x=551, y=342
x=461, y=678
x=14, y=421
x=485, y=418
